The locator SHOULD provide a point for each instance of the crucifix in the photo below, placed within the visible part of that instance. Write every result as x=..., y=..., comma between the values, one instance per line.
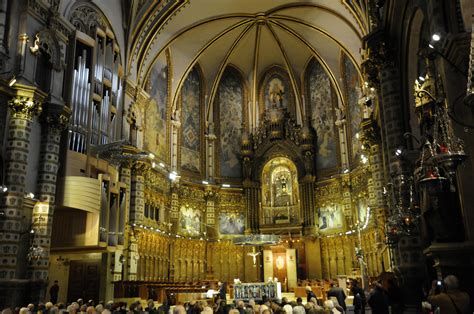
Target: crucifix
x=254, y=255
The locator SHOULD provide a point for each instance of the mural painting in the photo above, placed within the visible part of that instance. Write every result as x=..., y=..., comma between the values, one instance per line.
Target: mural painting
x=189, y=220
x=231, y=223
x=330, y=217
x=276, y=93
x=230, y=114
x=191, y=123
x=155, y=117
x=353, y=94
x=322, y=116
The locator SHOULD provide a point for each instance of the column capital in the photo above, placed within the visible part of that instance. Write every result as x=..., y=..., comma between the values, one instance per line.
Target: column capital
x=24, y=107
x=141, y=167
x=56, y=116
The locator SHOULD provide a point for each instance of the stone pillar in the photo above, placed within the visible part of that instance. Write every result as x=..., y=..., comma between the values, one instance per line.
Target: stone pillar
x=210, y=218
x=137, y=194
x=125, y=177
x=174, y=210
x=22, y=111
x=55, y=119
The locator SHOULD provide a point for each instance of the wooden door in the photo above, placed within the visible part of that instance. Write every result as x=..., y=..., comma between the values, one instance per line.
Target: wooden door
x=84, y=281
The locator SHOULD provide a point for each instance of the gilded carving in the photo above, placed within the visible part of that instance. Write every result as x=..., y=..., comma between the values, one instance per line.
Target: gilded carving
x=23, y=107
x=86, y=19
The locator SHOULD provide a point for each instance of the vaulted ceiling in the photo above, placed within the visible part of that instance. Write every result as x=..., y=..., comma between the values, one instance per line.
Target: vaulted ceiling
x=251, y=35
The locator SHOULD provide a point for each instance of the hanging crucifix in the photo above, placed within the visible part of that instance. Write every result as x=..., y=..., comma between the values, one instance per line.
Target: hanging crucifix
x=254, y=255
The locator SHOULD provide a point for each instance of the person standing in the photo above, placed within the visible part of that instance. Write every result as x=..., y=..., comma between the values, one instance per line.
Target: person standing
x=359, y=298
x=452, y=300
x=222, y=290
x=54, y=292
x=378, y=299
x=339, y=294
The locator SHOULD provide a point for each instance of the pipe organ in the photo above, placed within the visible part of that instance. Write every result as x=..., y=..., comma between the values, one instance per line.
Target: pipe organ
x=96, y=88
x=80, y=103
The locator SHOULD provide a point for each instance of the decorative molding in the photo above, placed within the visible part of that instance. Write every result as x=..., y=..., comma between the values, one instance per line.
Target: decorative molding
x=87, y=18
x=24, y=107
x=56, y=117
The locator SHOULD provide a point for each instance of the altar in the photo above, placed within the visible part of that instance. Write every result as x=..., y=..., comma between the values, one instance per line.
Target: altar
x=257, y=290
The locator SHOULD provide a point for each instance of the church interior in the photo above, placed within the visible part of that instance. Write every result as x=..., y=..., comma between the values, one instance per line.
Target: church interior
x=153, y=148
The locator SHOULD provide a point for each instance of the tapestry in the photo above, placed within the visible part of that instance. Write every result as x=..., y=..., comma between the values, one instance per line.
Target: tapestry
x=189, y=220
x=276, y=93
x=231, y=223
x=330, y=217
x=230, y=114
x=190, y=123
x=155, y=117
x=322, y=116
x=353, y=93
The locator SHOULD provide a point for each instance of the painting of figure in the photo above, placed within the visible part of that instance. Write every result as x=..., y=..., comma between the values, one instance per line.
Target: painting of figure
x=330, y=217
x=155, y=117
x=189, y=220
x=362, y=210
x=231, y=223
x=230, y=113
x=353, y=93
x=322, y=116
x=191, y=123
x=276, y=93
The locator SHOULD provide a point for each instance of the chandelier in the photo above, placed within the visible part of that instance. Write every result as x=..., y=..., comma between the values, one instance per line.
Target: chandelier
x=442, y=152
x=404, y=219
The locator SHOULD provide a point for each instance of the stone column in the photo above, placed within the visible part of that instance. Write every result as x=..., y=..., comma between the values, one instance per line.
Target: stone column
x=125, y=177
x=55, y=119
x=137, y=194
x=210, y=218
x=22, y=111
x=174, y=209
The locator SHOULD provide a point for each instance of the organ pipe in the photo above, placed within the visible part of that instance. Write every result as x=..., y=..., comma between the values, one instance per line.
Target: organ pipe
x=80, y=101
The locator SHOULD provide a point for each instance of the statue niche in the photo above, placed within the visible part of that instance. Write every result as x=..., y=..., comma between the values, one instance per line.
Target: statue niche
x=280, y=195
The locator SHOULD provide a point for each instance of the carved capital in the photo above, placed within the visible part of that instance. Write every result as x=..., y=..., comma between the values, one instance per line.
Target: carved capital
x=140, y=168
x=24, y=107
x=369, y=132
x=55, y=117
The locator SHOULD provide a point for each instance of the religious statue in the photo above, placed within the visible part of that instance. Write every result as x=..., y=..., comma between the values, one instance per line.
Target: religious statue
x=254, y=255
x=276, y=96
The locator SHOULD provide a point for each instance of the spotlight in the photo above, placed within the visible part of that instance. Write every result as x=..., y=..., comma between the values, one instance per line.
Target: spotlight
x=431, y=46
x=357, y=135
x=346, y=171
x=436, y=37
x=398, y=152
x=4, y=188
x=153, y=164
x=421, y=78
x=162, y=165
x=205, y=182
x=225, y=185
